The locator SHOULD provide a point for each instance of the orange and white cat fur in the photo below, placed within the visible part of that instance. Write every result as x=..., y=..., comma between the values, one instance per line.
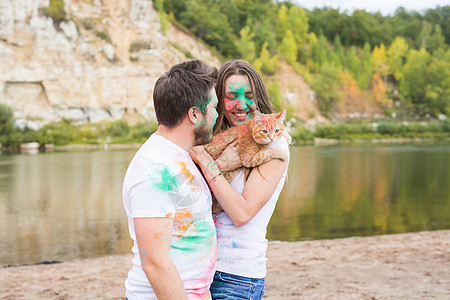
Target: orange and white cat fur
x=254, y=137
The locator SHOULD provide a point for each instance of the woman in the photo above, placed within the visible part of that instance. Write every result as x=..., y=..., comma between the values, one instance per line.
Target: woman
x=248, y=203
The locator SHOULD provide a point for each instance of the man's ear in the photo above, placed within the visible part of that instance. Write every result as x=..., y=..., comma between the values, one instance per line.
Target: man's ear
x=193, y=114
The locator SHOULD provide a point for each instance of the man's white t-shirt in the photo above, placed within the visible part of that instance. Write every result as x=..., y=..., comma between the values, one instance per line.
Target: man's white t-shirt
x=163, y=181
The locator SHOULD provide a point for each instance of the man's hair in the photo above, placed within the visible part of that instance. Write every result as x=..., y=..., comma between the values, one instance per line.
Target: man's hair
x=184, y=86
x=240, y=67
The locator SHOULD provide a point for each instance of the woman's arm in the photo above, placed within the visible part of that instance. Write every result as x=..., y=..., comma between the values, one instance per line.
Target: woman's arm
x=258, y=189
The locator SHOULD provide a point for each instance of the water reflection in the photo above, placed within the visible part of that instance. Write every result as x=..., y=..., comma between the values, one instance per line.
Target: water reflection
x=67, y=205
x=347, y=191
x=62, y=206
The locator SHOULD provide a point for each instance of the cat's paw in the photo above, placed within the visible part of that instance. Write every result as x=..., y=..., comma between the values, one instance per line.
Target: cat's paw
x=281, y=153
x=230, y=175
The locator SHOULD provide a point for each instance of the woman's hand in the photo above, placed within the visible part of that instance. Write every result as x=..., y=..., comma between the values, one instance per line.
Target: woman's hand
x=229, y=159
x=200, y=156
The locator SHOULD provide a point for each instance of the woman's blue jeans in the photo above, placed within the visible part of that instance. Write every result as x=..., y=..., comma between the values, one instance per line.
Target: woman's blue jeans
x=229, y=286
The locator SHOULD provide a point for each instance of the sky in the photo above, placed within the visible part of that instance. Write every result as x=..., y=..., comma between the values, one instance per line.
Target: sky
x=386, y=7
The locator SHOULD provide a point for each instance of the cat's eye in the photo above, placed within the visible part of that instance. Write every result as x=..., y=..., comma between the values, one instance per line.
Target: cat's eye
x=265, y=131
x=278, y=130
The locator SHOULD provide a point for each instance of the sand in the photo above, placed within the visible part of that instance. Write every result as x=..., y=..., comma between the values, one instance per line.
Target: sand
x=404, y=266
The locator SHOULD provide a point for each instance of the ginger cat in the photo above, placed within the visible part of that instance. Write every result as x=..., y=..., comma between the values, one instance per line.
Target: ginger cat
x=254, y=136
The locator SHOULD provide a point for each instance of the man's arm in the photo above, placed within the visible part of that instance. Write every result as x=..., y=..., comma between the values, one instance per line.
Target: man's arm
x=153, y=238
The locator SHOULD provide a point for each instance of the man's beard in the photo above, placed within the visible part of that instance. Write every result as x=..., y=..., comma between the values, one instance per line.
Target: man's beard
x=202, y=135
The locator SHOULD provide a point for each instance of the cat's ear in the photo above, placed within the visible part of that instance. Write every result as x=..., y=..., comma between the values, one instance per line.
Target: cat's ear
x=282, y=115
x=258, y=118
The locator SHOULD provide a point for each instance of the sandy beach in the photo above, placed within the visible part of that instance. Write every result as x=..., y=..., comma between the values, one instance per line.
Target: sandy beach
x=404, y=266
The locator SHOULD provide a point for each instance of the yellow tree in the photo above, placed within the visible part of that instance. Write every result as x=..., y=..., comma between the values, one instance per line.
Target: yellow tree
x=246, y=44
x=288, y=48
x=265, y=62
x=396, y=55
x=380, y=61
x=298, y=23
x=282, y=21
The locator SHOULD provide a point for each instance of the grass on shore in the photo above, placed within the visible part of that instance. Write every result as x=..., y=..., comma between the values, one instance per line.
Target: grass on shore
x=120, y=132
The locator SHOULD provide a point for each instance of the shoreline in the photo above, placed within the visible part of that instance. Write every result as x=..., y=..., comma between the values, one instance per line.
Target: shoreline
x=401, y=266
x=315, y=142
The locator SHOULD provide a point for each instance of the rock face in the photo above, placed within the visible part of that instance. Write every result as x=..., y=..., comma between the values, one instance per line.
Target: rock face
x=100, y=64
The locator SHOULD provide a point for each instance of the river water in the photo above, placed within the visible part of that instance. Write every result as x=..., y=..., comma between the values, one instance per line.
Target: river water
x=67, y=205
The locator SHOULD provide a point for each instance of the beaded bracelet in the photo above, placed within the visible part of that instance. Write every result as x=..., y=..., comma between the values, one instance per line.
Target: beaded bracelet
x=209, y=182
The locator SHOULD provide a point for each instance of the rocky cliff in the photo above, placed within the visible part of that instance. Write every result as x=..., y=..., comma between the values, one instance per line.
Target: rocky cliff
x=100, y=63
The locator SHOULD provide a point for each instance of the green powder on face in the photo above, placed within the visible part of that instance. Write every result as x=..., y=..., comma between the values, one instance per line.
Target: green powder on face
x=240, y=93
x=203, y=105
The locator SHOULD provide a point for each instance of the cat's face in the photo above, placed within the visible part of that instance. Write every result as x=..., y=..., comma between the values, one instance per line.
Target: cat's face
x=268, y=128
x=239, y=100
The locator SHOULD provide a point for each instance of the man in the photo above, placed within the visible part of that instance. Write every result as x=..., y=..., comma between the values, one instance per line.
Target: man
x=167, y=201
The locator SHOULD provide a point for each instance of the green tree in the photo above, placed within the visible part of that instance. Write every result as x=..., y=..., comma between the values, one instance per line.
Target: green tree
x=206, y=21
x=424, y=35
x=163, y=18
x=367, y=67
x=353, y=63
x=339, y=50
x=412, y=85
x=437, y=88
x=325, y=84
x=436, y=40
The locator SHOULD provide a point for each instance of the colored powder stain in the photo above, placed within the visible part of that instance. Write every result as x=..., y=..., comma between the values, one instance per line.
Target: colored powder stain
x=202, y=107
x=169, y=215
x=183, y=220
x=143, y=255
x=165, y=181
x=157, y=235
x=201, y=239
x=218, y=221
x=234, y=244
x=186, y=172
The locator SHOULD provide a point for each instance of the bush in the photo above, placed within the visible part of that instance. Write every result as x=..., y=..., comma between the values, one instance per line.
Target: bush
x=104, y=36
x=6, y=124
x=139, y=45
x=342, y=130
x=142, y=131
x=60, y=133
x=118, y=128
x=302, y=134
x=56, y=11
